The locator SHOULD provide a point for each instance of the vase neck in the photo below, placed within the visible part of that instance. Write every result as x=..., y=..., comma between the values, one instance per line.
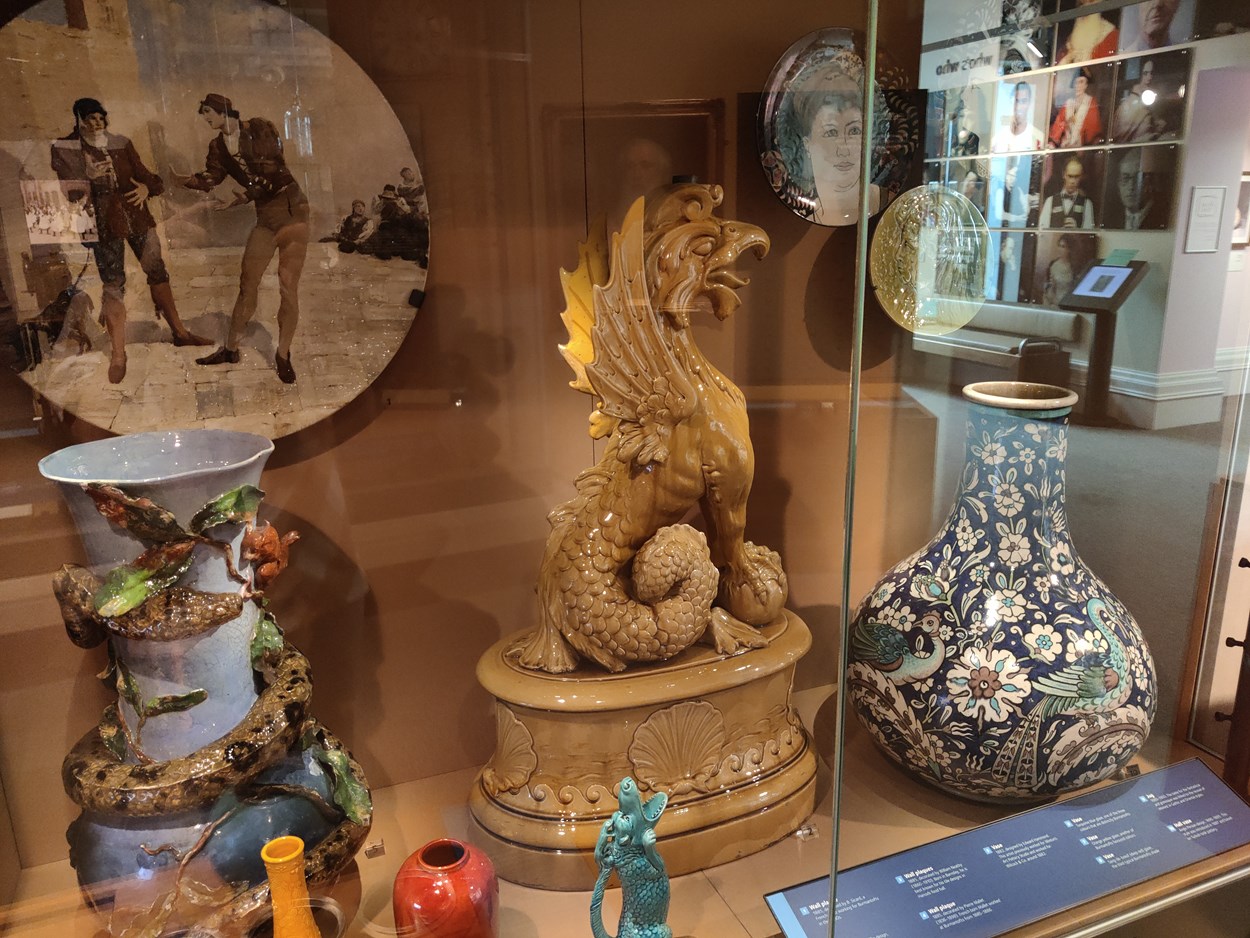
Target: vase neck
x=443, y=856
x=1015, y=464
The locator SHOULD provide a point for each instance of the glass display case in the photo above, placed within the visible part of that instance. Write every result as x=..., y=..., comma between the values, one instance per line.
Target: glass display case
x=467, y=317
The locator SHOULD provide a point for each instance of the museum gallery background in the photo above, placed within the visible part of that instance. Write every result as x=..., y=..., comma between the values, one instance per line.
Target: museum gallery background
x=422, y=504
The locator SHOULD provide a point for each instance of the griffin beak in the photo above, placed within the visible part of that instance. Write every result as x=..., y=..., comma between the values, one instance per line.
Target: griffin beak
x=722, y=282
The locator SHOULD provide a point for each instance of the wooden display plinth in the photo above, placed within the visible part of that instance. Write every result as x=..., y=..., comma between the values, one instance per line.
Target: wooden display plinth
x=719, y=735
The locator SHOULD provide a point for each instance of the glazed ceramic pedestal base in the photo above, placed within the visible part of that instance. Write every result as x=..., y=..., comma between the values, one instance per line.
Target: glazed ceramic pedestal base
x=719, y=735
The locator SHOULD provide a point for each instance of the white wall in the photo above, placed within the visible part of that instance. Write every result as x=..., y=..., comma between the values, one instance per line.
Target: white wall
x=1235, y=318
x=1213, y=157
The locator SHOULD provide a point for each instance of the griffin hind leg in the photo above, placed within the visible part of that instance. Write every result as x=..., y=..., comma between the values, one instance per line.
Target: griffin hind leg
x=545, y=649
x=729, y=636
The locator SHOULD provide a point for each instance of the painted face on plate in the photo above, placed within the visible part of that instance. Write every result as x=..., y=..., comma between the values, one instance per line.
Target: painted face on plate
x=834, y=145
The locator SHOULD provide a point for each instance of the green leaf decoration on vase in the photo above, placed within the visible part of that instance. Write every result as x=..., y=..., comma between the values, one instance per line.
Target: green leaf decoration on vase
x=156, y=569
x=128, y=690
x=237, y=506
x=114, y=740
x=173, y=703
x=266, y=641
x=349, y=795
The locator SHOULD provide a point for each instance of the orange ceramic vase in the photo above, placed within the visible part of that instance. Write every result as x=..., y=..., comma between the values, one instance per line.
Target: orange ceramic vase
x=446, y=890
x=292, y=912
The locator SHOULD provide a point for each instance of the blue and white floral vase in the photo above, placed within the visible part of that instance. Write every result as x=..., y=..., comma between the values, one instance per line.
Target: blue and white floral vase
x=993, y=663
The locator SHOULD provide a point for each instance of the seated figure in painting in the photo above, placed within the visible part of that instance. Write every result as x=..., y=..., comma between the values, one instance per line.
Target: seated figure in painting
x=354, y=229
x=393, y=236
x=1142, y=200
x=622, y=581
x=1136, y=119
x=1093, y=36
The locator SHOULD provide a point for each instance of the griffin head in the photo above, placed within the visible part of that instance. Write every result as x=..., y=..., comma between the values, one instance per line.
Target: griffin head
x=690, y=253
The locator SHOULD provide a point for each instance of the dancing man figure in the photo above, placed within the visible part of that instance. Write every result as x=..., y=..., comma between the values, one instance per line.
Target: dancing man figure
x=119, y=188
x=250, y=153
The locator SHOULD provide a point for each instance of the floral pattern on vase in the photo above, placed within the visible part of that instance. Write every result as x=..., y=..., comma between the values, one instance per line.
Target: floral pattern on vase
x=993, y=663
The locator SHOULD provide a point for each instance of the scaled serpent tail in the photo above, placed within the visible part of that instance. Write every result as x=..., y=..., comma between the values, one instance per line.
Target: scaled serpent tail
x=596, y=905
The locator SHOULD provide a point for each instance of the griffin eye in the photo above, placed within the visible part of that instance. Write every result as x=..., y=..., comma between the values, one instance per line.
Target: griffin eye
x=703, y=248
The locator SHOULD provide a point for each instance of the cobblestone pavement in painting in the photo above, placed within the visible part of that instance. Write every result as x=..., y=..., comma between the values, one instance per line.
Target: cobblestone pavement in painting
x=354, y=313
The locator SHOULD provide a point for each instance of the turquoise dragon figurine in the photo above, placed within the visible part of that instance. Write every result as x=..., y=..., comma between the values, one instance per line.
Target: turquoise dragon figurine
x=627, y=844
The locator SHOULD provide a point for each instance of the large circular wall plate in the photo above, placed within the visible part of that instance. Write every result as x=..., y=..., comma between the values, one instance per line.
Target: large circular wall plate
x=174, y=172
x=928, y=260
x=810, y=129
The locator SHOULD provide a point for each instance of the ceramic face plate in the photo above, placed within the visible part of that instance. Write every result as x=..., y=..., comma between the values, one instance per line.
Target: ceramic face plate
x=811, y=124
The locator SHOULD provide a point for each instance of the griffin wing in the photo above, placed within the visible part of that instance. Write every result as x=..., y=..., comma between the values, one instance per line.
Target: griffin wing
x=641, y=387
x=579, y=296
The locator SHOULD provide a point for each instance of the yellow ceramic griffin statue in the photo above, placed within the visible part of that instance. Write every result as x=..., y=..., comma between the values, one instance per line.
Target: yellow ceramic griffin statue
x=622, y=580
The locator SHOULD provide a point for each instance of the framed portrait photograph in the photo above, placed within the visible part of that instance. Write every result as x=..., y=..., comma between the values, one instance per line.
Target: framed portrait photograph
x=1138, y=195
x=1061, y=256
x=967, y=129
x=1072, y=190
x=1080, y=106
x=1021, y=106
x=601, y=158
x=1024, y=51
x=970, y=179
x=1091, y=36
x=1010, y=265
x=1149, y=94
x=1015, y=183
x=1241, y=214
x=1156, y=24
x=1025, y=44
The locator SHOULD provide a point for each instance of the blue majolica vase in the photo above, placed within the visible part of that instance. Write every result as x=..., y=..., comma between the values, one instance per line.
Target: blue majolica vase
x=209, y=751
x=993, y=663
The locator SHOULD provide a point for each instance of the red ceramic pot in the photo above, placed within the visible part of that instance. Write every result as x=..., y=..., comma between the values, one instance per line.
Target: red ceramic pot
x=446, y=890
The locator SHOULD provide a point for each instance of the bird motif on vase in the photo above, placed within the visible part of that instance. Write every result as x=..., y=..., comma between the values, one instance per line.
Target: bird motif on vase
x=906, y=656
x=1097, y=682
